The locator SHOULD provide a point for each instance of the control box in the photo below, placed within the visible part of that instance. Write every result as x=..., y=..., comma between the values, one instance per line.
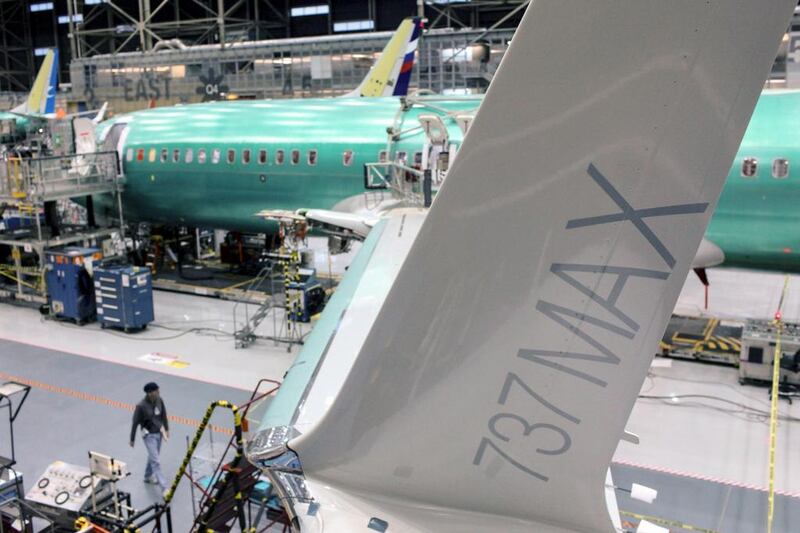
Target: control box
x=64, y=490
x=759, y=339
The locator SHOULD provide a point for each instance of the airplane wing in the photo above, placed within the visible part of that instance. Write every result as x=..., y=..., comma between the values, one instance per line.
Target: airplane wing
x=487, y=387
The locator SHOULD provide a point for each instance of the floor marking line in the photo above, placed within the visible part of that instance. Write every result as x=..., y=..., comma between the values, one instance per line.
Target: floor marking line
x=701, y=477
x=110, y=360
x=185, y=421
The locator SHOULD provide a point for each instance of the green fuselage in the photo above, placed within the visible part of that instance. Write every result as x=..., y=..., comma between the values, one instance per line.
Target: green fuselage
x=756, y=222
x=23, y=125
x=163, y=187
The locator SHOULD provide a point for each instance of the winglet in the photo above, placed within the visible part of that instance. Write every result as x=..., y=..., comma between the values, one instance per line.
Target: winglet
x=391, y=73
x=493, y=386
x=101, y=114
x=42, y=98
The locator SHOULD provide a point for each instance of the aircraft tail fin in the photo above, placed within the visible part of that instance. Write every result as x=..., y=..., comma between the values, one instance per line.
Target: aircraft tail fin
x=391, y=73
x=505, y=360
x=42, y=97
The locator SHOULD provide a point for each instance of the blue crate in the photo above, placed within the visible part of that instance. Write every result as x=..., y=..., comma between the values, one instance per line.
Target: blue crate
x=69, y=285
x=124, y=296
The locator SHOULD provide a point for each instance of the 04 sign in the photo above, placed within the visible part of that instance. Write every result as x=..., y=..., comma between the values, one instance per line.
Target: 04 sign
x=212, y=86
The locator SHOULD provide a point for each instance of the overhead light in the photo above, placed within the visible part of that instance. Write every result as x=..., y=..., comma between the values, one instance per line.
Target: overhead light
x=321, y=9
x=41, y=6
x=353, y=25
x=64, y=19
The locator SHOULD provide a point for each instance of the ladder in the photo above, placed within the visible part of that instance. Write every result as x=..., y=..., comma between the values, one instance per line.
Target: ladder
x=246, y=335
x=224, y=504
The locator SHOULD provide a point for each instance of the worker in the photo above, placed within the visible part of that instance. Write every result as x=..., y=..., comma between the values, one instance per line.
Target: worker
x=151, y=415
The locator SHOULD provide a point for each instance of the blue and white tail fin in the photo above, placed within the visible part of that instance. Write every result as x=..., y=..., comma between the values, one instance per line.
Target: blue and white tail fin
x=42, y=98
x=391, y=73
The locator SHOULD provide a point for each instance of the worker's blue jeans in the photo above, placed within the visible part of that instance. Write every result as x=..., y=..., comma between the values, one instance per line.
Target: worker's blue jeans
x=152, y=441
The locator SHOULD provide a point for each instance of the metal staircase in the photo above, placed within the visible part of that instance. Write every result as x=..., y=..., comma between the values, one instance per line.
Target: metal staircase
x=246, y=335
x=224, y=504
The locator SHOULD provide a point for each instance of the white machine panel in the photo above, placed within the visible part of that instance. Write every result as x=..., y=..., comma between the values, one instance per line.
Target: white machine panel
x=63, y=486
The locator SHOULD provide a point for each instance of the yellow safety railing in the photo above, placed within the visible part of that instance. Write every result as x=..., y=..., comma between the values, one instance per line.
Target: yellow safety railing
x=16, y=183
x=773, y=418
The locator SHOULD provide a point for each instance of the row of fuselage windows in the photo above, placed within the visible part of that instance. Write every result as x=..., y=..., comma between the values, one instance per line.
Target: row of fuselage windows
x=780, y=168
x=176, y=155
x=247, y=156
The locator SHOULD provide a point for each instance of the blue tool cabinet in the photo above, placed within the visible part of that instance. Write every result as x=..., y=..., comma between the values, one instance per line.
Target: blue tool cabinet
x=69, y=285
x=124, y=296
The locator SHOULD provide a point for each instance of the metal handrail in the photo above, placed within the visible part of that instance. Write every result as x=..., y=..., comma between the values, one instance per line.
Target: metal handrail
x=255, y=284
x=74, y=174
x=237, y=440
x=30, y=511
x=391, y=175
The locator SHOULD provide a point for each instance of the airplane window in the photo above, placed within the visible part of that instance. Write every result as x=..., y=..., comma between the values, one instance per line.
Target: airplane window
x=780, y=168
x=262, y=157
x=176, y=155
x=201, y=155
x=164, y=153
x=231, y=157
x=215, y=154
x=347, y=158
x=279, y=157
x=189, y=155
x=383, y=156
x=140, y=154
x=246, y=156
x=151, y=156
x=749, y=167
x=295, y=157
x=129, y=155
x=312, y=157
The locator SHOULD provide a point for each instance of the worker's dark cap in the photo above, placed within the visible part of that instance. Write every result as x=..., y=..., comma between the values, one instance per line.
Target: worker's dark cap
x=150, y=387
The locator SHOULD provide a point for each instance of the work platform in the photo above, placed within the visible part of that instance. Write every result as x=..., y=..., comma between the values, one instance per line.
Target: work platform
x=29, y=190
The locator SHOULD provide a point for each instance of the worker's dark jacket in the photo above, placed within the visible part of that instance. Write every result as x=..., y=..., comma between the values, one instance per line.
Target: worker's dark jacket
x=151, y=416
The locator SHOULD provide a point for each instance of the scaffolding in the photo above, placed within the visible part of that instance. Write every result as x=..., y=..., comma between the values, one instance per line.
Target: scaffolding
x=31, y=186
x=112, y=26
x=16, y=54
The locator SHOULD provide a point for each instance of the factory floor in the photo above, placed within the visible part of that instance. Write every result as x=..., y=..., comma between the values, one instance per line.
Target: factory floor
x=80, y=404
x=192, y=337
x=86, y=381
x=717, y=438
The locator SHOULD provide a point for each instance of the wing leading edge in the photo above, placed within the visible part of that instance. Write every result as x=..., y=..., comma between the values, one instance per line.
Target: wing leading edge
x=497, y=379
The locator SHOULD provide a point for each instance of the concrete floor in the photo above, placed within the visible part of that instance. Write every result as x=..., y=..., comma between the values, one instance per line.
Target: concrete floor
x=702, y=439
x=702, y=505
x=193, y=336
x=78, y=404
x=740, y=294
